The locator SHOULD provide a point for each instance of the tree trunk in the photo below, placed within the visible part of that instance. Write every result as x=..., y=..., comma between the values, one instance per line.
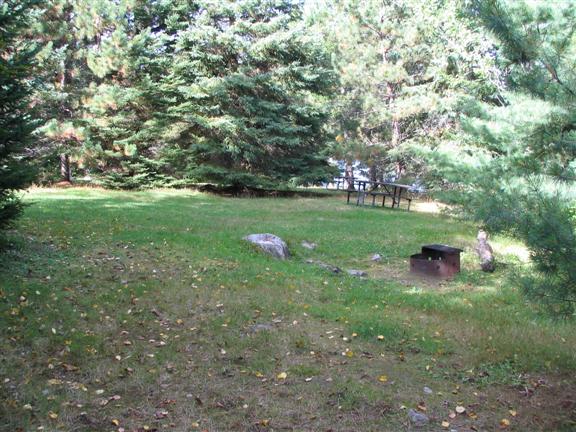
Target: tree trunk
x=65, y=168
x=373, y=173
x=399, y=169
x=349, y=175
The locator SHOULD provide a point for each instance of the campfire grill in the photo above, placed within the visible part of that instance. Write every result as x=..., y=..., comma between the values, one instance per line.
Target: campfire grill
x=436, y=260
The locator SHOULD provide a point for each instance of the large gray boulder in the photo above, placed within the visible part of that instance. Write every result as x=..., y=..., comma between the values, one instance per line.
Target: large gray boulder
x=271, y=244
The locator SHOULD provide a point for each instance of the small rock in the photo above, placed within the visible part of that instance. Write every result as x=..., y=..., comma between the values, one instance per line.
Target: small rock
x=376, y=257
x=357, y=273
x=418, y=419
x=329, y=267
x=308, y=245
x=324, y=266
x=428, y=390
x=260, y=327
x=271, y=244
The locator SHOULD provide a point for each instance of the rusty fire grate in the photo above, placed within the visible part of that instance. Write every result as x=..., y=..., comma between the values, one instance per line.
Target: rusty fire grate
x=436, y=260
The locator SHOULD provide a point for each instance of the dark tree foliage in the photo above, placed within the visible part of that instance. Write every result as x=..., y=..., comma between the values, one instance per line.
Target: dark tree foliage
x=168, y=93
x=15, y=123
x=515, y=168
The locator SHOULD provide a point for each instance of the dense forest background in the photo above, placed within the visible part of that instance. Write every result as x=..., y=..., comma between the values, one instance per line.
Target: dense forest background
x=471, y=97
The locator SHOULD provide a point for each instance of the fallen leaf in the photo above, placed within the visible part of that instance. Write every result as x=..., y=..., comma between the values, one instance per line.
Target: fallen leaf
x=161, y=414
x=513, y=413
x=115, y=422
x=504, y=423
x=460, y=409
x=445, y=424
x=52, y=415
x=282, y=376
x=383, y=378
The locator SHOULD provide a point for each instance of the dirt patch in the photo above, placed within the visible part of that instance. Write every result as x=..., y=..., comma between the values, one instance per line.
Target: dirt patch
x=399, y=271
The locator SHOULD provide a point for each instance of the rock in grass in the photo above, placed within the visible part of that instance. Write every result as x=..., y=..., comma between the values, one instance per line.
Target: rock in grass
x=260, y=327
x=485, y=253
x=418, y=419
x=308, y=245
x=325, y=266
x=271, y=244
x=357, y=273
x=376, y=257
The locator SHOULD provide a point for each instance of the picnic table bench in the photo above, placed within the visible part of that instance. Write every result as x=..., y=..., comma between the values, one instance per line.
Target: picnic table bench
x=396, y=191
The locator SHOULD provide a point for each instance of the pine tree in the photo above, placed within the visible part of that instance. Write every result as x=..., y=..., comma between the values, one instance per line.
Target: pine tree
x=165, y=93
x=244, y=90
x=402, y=67
x=515, y=169
x=15, y=121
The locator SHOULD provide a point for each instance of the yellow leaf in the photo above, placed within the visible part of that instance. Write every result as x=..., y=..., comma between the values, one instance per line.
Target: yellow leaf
x=504, y=423
x=512, y=413
x=282, y=376
x=258, y=374
x=380, y=337
x=349, y=354
x=115, y=422
x=52, y=415
x=445, y=424
x=264, y=422
x=383, y=378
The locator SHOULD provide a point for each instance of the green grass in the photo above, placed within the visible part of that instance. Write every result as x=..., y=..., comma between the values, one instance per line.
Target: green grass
x=154, y=297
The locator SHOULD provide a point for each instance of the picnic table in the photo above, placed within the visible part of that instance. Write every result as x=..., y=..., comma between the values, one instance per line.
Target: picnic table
x=396, y=191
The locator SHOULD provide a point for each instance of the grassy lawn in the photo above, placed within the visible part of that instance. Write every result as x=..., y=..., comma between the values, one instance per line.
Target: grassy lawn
x=146, y=311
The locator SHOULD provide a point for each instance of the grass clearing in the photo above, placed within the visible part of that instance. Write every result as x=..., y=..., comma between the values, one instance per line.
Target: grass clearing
x=146, y=311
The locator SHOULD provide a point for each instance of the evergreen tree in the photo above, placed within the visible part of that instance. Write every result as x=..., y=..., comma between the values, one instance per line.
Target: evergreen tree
x=515, y=168
x=15, y=121
x=151, y=94
x=402, y=66
x=244, y=93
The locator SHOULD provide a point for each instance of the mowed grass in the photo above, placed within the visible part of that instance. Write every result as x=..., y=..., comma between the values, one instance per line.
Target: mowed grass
x=147, y=311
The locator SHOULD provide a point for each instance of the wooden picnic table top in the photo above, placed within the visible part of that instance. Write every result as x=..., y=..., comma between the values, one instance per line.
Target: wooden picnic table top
x=398, y=185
